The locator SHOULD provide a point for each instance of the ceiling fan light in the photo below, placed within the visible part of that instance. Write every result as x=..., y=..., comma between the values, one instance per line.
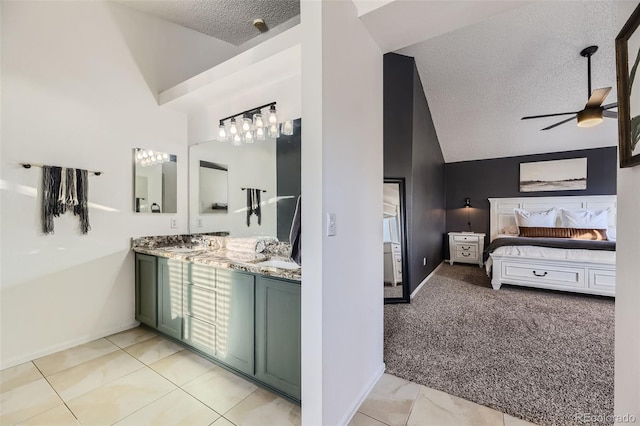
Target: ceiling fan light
x=589, y=117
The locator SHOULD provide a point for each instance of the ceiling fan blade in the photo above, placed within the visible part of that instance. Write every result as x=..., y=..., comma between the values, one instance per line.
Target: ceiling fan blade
x=609, y=106
x=610, y=114
x=559, y=123
x=548, y=115
x=597, y=97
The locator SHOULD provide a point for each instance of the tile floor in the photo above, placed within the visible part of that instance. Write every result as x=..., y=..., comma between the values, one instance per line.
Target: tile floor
x=139, y=378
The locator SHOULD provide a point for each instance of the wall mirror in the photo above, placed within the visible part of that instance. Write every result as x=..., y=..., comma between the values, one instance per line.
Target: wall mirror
x=156, y=182
x=220, y=173
x=213, y=187
x=396, y=283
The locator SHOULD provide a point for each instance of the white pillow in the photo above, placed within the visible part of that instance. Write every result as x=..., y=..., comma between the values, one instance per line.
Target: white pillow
x=585, y=219
x=544, y=219
x=611, y=233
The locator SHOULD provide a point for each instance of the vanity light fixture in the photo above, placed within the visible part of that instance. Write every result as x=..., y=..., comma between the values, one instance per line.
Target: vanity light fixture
x=251, y=125
x=148, y=158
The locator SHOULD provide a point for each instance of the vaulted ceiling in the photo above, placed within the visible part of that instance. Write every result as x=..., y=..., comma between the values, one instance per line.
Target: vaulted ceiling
x=480, y=80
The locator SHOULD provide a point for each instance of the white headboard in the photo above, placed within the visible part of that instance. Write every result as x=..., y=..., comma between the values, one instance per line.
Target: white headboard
x=501, y=213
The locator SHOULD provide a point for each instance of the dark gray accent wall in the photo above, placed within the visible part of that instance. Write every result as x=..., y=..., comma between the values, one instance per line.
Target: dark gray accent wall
x=500, y=177
x=412, y=151
x=288, y=179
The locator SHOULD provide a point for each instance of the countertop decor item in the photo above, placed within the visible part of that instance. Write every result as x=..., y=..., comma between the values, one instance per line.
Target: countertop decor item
x=627, y=60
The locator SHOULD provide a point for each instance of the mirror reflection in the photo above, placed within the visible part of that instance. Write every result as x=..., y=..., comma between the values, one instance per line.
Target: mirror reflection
x=213, y=187
x=392, y=238
x=220, y=173
x=156, y=183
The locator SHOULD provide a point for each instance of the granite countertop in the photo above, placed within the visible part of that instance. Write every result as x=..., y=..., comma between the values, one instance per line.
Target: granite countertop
x=223, y=258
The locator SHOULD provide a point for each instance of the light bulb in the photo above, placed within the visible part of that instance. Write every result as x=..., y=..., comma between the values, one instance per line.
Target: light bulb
x=233, y=129
x=273, y=118
x=237, y=140
x=222, y=132
x=248, y=137
x=144, y=154
x=257, y=120
x=165, y=156
x=246, y=123
x=150, y=153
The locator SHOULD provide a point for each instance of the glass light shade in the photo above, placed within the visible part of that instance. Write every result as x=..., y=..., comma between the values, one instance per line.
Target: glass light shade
x=287, y=128
x=233, y=128
x=274, y=132
x=257, y=121
x=236, y=140
x=273, y=117
x=589, y=117
x=222, y=132
x=248, y=136
x=246, y=124
x=165, y=156
x=259, y=133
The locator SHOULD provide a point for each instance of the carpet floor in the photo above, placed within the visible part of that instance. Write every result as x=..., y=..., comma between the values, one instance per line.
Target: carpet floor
x=543, y=356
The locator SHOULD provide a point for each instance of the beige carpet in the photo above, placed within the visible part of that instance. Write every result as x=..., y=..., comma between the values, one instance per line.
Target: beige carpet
x=540, y=355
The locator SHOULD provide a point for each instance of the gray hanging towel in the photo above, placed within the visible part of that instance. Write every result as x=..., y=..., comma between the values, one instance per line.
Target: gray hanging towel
x=258, y=210
x=51, y=177
x=81, y=208
x=295, y=234
x=249, y=205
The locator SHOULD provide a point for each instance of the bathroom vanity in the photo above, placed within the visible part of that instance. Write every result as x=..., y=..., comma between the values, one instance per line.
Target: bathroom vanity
x=244, y=315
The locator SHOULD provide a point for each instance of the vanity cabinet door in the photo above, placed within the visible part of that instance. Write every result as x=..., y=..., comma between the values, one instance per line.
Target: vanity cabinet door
x=278, y=334
x=146, y=286
x=170, y=297
x=235, y=319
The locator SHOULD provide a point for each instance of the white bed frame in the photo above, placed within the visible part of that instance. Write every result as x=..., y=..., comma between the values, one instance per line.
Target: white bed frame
x=566, y=275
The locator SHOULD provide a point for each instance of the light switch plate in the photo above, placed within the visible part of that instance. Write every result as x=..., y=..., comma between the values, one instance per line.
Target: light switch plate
x=331, y=224
x=174, y=222
x=199, y=222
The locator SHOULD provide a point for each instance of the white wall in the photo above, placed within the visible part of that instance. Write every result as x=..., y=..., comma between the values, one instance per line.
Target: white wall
x=342, y=172
x=627, y=350
x=250, y=166
x=73, y=94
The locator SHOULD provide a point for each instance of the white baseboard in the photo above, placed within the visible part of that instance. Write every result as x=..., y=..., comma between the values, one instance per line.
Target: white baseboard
x=6, y=363
x=413, y=294
x=354, y=407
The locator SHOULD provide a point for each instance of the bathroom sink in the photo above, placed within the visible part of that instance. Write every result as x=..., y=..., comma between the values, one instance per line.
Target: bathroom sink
x=284, y=264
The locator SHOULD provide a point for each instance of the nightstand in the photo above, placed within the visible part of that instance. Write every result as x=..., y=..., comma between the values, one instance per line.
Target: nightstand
x=466, y=247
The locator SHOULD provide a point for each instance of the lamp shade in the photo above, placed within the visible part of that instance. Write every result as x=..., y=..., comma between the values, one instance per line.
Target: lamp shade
x=467, y=202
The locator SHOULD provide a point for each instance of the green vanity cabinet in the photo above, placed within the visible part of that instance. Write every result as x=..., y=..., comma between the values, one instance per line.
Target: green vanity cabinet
x=146, y=285
x=219, y=314
x=159, y=293
x=245, y=321
x=170, y=296
x=278, y=334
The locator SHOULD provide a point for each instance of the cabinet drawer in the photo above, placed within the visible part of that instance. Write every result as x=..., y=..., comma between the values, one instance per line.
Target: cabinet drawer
x=602, y=280
x=201, y=275
x=544, y=274
x=466, y=255
x=468, y=238
x=200, y=335
x=200, y=303
x=473, y=248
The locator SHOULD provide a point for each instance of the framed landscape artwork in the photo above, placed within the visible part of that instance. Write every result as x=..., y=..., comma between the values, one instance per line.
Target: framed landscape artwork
x=554, y=175
x=627, y=60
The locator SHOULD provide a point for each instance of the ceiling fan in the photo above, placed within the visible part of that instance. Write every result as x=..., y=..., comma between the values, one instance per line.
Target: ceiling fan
x=593, y=111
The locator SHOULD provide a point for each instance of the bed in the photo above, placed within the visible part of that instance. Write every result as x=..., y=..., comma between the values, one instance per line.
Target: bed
x=556, y=263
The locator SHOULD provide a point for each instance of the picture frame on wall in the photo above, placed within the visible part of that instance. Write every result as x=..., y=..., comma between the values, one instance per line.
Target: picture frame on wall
x=628, y=72
x=554, y=175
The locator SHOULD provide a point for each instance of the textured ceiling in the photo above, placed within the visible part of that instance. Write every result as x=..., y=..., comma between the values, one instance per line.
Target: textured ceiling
x=228, y=20
x=482, y=79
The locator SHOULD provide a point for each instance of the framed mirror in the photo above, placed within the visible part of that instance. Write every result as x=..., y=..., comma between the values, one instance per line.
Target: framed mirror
x=213, y=191
x=155, y=182
x=396, y=282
